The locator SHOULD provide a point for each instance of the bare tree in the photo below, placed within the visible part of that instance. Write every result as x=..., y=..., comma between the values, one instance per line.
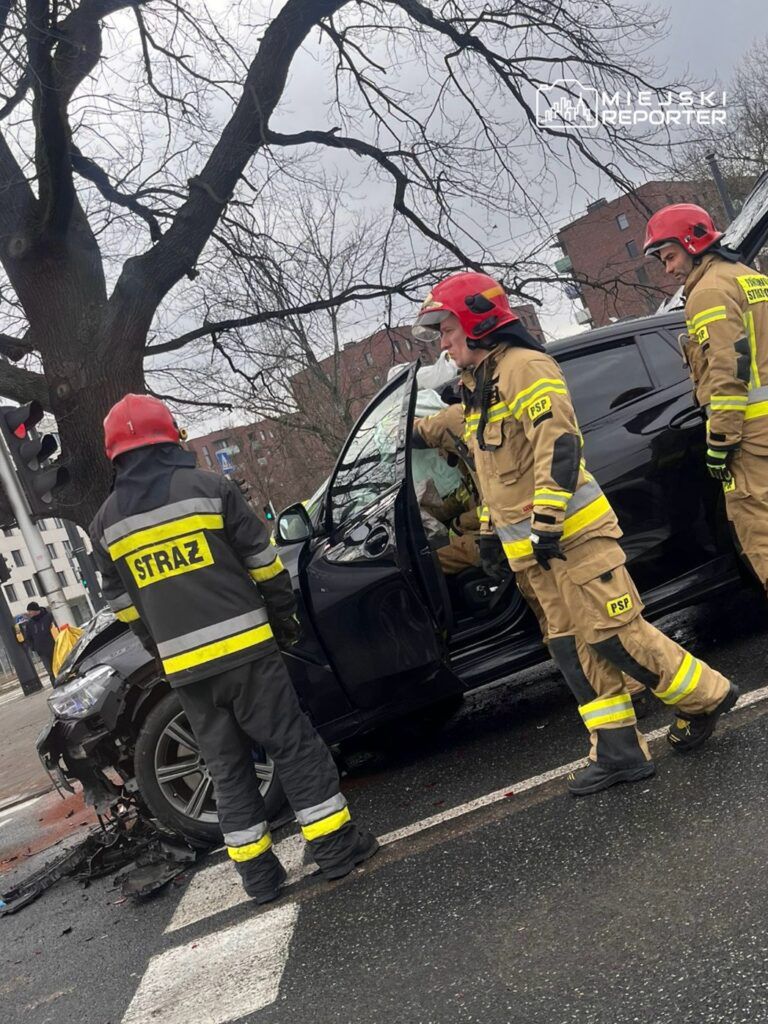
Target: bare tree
x=139, y=137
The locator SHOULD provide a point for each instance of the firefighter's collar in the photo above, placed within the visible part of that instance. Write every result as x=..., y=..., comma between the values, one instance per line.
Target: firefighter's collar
x=700, y=270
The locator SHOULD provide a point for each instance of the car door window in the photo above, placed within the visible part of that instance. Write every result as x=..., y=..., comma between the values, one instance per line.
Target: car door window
x=368, y=467
x=605, y=378
x=665, y=356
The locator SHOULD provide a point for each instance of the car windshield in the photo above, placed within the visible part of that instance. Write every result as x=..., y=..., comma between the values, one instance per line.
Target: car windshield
x=369, y=465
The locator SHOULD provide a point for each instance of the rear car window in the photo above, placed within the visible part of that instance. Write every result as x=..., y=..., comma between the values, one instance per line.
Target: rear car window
x=605, y=378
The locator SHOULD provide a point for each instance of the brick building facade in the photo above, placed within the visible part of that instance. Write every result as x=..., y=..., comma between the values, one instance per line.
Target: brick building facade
x=286, y=459
x=603, y=250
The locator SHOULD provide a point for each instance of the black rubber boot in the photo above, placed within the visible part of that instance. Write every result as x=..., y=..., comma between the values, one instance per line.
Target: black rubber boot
x=690, y=731
x=359, y=848
x=619, y=759
x=262, y=877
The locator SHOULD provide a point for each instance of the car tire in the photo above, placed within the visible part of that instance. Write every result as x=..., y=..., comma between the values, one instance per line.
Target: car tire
x=166, y=743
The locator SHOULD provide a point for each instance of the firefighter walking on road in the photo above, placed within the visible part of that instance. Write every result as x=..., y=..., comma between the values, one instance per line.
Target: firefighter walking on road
x=188, y=565
x=558, y=530
x=726, y=310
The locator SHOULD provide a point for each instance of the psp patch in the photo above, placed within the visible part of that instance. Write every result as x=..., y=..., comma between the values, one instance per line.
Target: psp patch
x=540, y=409
x=171, y=558
x=619, y=605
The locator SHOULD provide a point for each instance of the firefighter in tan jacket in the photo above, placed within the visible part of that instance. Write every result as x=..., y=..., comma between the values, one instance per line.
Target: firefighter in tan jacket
x=559, y=531
x=726, y=310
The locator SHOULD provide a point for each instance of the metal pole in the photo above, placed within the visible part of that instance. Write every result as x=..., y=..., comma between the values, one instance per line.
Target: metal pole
x=22, y=663
x=722, y=188
x=84, y=561
x=49, y=581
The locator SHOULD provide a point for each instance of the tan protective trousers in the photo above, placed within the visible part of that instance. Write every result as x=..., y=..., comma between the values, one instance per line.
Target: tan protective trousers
x=746, y=505
x=527, y=591
x=461, y=552
x=597, y=635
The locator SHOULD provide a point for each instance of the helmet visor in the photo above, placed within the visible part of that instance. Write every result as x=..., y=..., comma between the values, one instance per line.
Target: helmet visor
x=426, y=326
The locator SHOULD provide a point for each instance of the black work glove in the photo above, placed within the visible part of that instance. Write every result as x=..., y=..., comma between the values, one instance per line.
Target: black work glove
x=546, y=546
x=492, y=558
x=287, y=631
x=717, y=463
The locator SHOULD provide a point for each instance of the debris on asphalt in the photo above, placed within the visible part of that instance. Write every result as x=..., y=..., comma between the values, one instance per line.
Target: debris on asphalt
x=147, y=857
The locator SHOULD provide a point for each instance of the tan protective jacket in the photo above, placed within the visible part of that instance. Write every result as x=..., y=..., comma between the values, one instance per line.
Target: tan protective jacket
x=522, y=433
x=726, y=310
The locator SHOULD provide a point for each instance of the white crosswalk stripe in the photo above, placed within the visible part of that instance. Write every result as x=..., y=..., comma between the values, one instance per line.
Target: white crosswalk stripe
x=218, y=887
x=237, y=970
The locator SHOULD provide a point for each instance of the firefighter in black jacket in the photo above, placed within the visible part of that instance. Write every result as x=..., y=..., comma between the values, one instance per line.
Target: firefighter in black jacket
x=189, y=566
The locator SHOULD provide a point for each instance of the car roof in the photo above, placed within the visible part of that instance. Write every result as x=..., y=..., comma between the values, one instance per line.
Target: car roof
x=619, y=329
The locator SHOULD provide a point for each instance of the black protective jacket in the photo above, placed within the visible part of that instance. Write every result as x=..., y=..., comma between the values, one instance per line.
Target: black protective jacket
x=188, y=564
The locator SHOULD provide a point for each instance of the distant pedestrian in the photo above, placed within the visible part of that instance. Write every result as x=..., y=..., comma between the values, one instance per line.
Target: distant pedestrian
x=39, y=632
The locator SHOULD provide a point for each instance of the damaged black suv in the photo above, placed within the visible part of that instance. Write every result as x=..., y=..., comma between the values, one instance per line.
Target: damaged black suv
x=386, y=633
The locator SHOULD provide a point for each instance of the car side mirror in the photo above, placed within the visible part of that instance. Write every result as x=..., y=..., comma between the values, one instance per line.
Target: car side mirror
x=294, y=525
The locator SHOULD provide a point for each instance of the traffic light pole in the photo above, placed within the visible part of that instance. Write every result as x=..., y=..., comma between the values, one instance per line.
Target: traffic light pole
x=22, y=663
x=87, y=572
x=41, y=560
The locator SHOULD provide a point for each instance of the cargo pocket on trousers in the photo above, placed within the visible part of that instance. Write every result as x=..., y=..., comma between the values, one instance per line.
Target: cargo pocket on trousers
x=605, y=595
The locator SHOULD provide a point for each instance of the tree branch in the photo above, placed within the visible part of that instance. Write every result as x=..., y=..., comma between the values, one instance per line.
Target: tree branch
x=89, y=169
x=22, y=385
x=14, y=348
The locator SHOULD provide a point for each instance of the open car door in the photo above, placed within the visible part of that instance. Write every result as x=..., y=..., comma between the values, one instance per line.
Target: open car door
x=746, y=235
x=377, y=599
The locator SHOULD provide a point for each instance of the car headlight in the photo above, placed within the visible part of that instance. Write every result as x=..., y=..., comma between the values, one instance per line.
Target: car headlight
x=80, y=697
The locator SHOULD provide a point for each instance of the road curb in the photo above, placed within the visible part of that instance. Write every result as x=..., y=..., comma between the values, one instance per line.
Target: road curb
x=23, y=797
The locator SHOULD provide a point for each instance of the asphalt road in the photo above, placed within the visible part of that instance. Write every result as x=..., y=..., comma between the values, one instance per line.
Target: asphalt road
x=642, y=905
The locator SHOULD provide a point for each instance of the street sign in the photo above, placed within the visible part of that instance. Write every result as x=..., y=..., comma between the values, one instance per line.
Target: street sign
x=225, y=462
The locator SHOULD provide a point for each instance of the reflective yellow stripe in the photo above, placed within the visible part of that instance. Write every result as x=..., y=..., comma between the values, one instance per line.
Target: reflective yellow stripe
x=553, y=498
x=749, y=325
x=484, y=516
x=324, y=827
x=683, y=682
x=176, y=527
x=127, y=614
x=728, y=403
x=606, y=710
x=573, y=524
x=755, y=411
x=492, y=293
x=268, y=572
x=218, y=649
x=543, y=386
x=241, y=853
x=708, y=316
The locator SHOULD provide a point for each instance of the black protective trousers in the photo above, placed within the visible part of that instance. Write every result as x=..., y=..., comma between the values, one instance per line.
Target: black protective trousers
x=256, y=704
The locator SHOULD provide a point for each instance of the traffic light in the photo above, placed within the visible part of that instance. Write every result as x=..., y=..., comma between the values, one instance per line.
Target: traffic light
x=269, y=513
x=31, y=453
x=245, y=487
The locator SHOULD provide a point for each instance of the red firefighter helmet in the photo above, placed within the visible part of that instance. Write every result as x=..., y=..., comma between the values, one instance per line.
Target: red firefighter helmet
x=685, y=223
x=479, y=303
x=136, y=421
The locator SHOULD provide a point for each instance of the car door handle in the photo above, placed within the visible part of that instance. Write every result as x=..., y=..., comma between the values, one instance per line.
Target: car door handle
x=377, y=542
x=687, y=418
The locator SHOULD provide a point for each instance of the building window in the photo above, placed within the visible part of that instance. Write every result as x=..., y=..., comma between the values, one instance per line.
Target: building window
x=221, y=444
x=10, y=592
x=29, y=588
x=63, y=580
x=207, y=457
x=8, y=533
x=58, y=524
x=642, y=276
x=18, y=558
x=67, y=548
x=623, y=221
x=52, y=550
x=262, y=435
x=262, y=461
x=632, y=249
x=368, y=358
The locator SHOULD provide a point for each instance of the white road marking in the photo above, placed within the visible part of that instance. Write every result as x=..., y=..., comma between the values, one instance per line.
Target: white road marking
x=218, y=978
x=218, y=887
